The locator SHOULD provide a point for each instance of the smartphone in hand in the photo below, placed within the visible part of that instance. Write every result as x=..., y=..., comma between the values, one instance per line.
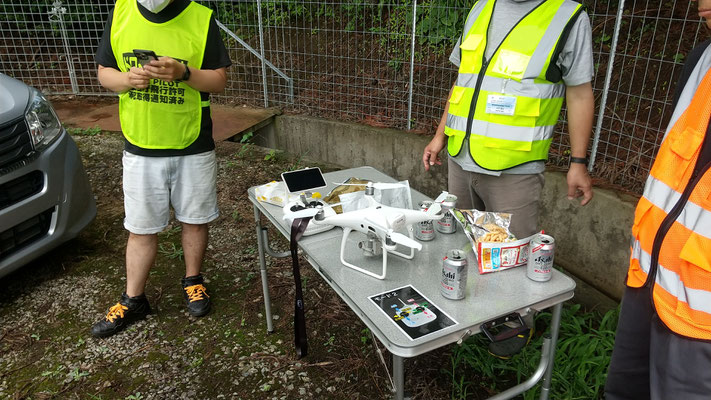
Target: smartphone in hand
x=144, y=56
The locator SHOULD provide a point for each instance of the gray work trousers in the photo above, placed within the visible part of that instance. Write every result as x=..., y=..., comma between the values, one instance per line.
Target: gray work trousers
x=649, y=361
x=519, y=195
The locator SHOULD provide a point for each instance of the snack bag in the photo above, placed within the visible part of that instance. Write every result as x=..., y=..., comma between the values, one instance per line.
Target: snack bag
x=495, y=246
x=275, y=193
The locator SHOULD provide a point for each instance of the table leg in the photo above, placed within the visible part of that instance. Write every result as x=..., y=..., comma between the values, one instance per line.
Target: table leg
x=545, y=365
x=399, y=377
x=263, y=270
x=555, y=327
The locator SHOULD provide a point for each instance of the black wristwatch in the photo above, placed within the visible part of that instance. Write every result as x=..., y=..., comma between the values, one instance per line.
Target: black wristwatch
x=579, y=160
x=186, y=75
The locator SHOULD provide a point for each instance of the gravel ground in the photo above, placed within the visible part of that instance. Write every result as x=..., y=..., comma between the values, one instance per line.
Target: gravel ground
x=47, y=308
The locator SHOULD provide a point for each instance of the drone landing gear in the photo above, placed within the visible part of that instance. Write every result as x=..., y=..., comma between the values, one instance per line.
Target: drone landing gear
x=385, y=251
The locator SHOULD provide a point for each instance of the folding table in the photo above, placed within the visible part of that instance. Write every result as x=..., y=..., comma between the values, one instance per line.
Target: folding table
x=488, y=296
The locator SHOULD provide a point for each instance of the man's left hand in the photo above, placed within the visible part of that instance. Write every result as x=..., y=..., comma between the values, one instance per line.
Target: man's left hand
x=579, y=183
x=166, y=69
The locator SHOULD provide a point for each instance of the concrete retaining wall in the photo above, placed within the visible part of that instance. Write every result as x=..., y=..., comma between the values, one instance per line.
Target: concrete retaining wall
x=592, y=241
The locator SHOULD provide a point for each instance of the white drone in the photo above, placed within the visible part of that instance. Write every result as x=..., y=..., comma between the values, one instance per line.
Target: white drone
x=377, y=222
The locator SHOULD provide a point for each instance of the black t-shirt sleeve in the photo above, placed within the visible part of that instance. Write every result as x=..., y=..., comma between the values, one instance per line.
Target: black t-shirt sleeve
x=689, y=66
x=216, y=55
x=105, y=54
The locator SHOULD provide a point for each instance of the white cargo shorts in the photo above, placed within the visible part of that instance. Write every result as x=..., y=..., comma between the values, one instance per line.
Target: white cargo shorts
x=152, y=184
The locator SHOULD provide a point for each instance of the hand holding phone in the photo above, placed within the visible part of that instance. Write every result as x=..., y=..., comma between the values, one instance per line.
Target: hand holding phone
x=144, y=56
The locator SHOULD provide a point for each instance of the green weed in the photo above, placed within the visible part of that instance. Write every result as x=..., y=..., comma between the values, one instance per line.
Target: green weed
x=55, y=372
x=273, y=155
x=245, y=151
x=583, y=353
x=77, y=374
x=236, y=216
x=171, y=250
x=93, y=131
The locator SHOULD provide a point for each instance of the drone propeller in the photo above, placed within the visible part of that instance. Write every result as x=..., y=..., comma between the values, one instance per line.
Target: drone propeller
x=442, y=196
x=376, y=185
x=399, y=238
x=309, y=211
x=305, y=213
x=396, y=237
x=437, y=203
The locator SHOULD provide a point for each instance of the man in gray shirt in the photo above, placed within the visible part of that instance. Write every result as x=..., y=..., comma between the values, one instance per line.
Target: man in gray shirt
x=517, y=189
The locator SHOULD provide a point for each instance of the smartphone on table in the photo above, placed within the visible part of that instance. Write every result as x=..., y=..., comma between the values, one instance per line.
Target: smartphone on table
x=144, y=56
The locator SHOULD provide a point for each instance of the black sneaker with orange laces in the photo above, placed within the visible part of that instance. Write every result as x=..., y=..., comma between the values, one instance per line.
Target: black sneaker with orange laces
x=126, y=311
x=196, y=296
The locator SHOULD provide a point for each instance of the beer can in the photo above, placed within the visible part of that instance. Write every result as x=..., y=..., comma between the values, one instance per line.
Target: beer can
x=540, y=258
x=454, y=275
x=448, y=224
x=424, y=230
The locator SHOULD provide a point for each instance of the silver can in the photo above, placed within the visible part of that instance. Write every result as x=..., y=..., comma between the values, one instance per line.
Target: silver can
x=448, y=224
x=454, y=275
x=424, y=230
x=540, y=258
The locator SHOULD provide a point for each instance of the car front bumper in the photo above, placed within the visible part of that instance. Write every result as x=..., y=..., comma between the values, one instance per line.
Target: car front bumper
x=63, y=205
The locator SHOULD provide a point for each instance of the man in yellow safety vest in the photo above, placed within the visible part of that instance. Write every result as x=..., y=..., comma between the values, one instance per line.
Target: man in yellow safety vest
x=163, y=58
x=663, y=343
x=518, y=61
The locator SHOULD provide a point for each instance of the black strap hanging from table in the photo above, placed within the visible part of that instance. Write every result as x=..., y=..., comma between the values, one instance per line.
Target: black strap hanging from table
x=297, y=231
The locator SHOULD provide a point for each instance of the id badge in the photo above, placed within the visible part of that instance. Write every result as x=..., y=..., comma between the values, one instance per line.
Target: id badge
x=502, y=105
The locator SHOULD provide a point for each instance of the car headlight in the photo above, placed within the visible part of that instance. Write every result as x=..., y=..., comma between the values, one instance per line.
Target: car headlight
x=42, y=120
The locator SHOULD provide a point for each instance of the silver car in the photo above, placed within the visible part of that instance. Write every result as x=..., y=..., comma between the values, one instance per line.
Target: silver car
x=45, y=195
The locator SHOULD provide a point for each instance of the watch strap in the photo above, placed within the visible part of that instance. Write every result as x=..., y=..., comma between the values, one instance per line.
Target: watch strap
x=579, y=160
x=186, y=75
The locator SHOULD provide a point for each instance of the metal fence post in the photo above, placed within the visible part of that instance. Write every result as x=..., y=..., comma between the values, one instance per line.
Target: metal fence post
x=261, y=51
x=606, y=88
x=412, y=66
x=58, y=12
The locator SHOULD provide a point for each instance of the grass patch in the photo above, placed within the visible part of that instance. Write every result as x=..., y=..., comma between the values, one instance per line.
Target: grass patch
x=583, y=354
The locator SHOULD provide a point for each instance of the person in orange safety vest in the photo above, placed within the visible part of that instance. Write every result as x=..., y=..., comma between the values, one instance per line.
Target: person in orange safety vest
x=663, y=343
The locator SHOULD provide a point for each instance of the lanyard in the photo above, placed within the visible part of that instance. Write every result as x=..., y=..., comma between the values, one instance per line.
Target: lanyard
x=297, y=230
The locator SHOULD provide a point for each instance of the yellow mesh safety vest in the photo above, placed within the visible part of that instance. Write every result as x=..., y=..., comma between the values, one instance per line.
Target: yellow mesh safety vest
x=506, y=104
x=671, y=235
x=165, y=115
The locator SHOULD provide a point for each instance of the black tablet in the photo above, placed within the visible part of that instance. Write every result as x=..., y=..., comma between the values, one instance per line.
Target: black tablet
x=303, y=179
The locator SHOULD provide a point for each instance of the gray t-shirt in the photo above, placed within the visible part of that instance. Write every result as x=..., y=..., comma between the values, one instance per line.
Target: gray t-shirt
x=575, y=62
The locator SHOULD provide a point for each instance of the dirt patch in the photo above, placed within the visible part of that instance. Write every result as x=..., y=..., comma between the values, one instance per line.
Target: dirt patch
x=47, y=308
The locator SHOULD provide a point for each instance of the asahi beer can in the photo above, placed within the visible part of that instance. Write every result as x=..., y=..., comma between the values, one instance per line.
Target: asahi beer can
x=424, y=230
x=448, y=224
x=454, y=275
x=540, y=258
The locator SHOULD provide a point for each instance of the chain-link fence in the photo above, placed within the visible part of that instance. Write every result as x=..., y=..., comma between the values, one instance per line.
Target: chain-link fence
x=379, y=62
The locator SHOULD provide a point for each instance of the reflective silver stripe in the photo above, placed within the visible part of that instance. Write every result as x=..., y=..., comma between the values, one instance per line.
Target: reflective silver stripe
x=693, y=217
x=496, y=131
x=513, y=133
x=509, y=86
x=645, y=260
x=467, y=80
x=699, y=300
x=455, y=122
x=697, y=75
x=473, y=15
x=550, y=39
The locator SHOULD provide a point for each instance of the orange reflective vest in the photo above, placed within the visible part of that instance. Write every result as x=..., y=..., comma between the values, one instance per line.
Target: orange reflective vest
x=671, y=246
